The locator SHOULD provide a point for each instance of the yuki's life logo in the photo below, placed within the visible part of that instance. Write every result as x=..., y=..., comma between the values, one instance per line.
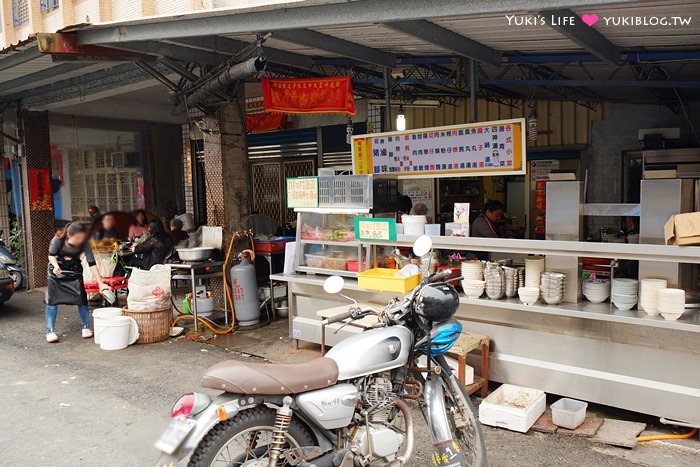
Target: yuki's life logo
x=590, y=19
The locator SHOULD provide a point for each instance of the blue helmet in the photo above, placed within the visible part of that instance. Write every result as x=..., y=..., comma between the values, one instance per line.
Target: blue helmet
x=442, y=338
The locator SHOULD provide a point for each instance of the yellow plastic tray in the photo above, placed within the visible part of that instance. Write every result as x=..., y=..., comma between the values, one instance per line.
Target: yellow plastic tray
x=383, y=279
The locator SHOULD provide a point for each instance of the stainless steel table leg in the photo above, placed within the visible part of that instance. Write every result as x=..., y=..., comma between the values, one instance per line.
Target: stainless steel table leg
x=272, y=291
x=194, y=299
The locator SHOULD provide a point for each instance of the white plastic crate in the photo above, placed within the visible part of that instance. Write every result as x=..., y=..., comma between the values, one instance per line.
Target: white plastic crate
x=568, y=413
x=512, y=407
x=345, y=191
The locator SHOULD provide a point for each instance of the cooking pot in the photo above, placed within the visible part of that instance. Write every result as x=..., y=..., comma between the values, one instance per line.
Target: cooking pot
x=195, y=254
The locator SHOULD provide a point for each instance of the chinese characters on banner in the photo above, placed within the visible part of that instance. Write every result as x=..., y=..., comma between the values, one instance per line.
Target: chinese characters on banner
x=375, y=228
x=496, y=148
x=309, y=95
x=40, y=194
x=539, y=176
x=302, y=192
x=540, y=206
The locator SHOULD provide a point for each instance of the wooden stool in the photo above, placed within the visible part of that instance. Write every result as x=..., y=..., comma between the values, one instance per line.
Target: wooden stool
x=467, y=343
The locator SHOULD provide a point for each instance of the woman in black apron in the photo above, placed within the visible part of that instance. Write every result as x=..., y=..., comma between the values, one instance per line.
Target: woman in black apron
x=66, y=276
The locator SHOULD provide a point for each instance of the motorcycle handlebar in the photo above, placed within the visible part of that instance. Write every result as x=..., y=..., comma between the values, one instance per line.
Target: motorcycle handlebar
x=339, y=318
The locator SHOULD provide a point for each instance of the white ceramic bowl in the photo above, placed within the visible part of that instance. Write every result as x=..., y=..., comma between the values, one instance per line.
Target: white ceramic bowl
x=529, y=295
x=671, y=316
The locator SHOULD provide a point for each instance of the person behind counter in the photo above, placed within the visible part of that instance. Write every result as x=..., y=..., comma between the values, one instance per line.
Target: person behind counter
x=140, y=227
x=107, y=229
x=486, y=225
x=155, y=249
x=65, y=276
x=176, y=233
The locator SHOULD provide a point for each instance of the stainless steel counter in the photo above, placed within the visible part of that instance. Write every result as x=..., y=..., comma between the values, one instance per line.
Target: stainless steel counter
x=592, y=352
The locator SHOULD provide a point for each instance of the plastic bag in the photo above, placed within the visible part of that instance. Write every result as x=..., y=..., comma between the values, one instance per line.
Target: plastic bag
x=149, y=290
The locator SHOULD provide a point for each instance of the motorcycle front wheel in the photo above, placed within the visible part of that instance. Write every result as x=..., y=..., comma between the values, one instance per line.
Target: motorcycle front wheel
x=463, y=421
x=244, y=441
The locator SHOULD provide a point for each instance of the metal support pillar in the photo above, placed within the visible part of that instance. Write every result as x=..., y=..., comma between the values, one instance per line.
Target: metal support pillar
x=473, y=88
x=387, y=100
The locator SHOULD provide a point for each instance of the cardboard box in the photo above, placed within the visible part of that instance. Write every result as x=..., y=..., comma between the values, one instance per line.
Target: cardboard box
x=683, y=229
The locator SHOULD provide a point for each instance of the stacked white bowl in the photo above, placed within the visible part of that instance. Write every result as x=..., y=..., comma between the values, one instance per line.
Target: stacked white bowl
x=670, y=303
x=473, y=288
x=596, y=290
x=495, y=280
x=472, y=270
x=552, y=287
x=511, y=281
x=648, y=294
x=534, y=267
x=624, y=293
x=529, y=295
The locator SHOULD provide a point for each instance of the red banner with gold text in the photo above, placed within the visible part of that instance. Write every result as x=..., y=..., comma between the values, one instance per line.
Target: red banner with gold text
x=309, y=95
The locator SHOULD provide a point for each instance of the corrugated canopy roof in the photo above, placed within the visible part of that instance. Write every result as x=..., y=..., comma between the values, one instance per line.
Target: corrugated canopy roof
x=427, y=46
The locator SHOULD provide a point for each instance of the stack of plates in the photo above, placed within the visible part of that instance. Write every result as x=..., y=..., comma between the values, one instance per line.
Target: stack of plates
x=624, y=293
x=495, y=278
x=552, y=287
x=596, y=290
x=670, y=303
x=534, y=266
x=648, y=294
x=472, y=270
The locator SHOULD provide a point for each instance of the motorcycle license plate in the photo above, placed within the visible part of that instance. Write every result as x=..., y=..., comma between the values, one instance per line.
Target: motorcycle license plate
x=175, y=434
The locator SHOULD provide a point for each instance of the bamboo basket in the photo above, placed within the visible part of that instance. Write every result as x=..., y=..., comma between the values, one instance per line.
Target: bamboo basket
x=154, y=325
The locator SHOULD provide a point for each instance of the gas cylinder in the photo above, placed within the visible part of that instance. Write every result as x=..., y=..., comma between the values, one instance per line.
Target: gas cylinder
x=244, y=286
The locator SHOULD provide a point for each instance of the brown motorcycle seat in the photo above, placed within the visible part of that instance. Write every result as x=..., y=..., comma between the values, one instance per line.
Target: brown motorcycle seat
x=271, y=378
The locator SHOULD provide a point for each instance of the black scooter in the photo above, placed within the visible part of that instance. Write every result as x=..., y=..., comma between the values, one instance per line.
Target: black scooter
x=10, y=262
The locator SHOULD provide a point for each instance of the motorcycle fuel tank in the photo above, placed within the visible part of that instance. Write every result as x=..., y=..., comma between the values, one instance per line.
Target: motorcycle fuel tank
x=372, y=351
x=331, y=407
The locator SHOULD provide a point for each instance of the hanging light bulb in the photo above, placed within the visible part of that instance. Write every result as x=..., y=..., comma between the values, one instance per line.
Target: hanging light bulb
x=532, y=122
x=401, y=120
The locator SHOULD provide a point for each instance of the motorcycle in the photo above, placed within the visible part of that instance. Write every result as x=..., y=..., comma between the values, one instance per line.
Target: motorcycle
x=10, y=262
x=345, y=409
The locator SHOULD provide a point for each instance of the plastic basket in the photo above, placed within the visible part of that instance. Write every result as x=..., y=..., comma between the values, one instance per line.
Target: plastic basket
x=383, y=279
x=154, y=326
x=345, y=191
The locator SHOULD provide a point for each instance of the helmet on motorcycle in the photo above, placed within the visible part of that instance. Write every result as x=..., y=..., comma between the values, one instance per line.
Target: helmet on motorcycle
x=442, y=338
x=437, y=302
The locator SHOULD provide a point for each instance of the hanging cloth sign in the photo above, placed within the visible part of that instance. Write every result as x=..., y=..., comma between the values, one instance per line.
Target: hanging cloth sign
x=309, y=95
x=266, y=121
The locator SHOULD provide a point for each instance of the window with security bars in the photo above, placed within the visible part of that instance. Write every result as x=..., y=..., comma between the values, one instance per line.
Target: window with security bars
x=48, y=5
x=20, y=12
x=95, y=181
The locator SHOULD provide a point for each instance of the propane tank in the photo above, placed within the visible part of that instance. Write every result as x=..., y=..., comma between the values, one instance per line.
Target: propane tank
x=244, y=286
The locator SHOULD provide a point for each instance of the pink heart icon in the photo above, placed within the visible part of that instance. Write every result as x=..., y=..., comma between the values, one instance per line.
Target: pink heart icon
x=590, y=19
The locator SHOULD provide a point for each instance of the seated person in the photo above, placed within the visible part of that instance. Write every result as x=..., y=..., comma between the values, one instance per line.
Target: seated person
x=107, y=229
x=176, y=233
x=155, y=249
x=140, y=227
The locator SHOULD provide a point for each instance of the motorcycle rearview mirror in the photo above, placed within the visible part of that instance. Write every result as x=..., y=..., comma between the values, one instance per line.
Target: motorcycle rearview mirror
x=422, y=245
x=334, y=284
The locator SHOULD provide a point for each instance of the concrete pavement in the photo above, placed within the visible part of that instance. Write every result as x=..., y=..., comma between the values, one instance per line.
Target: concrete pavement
x=71, y=404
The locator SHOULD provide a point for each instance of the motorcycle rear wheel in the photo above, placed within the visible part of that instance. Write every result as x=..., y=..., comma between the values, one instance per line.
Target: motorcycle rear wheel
x=244, y=441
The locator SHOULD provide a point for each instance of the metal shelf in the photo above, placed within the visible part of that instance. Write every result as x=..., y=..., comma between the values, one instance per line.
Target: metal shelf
x=353, y=243
x=326, y=272
x=663, y=253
